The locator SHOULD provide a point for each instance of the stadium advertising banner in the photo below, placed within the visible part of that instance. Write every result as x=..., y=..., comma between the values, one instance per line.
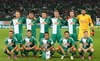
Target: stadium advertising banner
x=98, y=21
x=4, y=24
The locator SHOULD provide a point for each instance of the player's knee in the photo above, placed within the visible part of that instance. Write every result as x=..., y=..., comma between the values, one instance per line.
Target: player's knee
x=92, y=50
x=21, y=48
x=57, y=49
x=16, y=50
x=52, y=49
x=79, y=50
x=36, y=48
x=74, y=49
x=40, y=49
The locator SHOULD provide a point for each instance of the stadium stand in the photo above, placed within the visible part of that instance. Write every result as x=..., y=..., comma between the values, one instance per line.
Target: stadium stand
x=8, y=7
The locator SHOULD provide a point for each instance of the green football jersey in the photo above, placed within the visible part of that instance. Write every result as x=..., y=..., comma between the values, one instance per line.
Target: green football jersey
x=56, y=27
x=17, y=27
x=63, y=42
x=11, y=42
x=86, y=42
x=44, y=27
x=29, y=42
x=72, y=27
x=43, y=41
x=29, y=27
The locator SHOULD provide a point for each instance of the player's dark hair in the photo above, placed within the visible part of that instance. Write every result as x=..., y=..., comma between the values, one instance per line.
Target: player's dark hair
x=72, y=11
x=11, y=31
x=30, y=12
x=83, y=9
x=18, y=11
x=66, y=32
x=46, y=33
x=29, y=31
x=44, y=12
x=56, y=11
x=85, y=31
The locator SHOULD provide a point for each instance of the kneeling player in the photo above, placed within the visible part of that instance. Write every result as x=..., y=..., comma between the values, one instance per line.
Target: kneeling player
x=29, y=44
x=11, y=45
x=46, y=44
x=66, y=45
x=86, y=45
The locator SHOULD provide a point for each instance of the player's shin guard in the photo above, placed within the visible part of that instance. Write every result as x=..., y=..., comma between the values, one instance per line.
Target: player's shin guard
x=52, y=53
x=76, y=46
x=60, y=52
x=40, y=51
x=80, y=53
x=73, y=53
x=6, y=53
x=15, y=53
x=22, y=52
x=90, y=53
x=34, y=53
x=26, y=53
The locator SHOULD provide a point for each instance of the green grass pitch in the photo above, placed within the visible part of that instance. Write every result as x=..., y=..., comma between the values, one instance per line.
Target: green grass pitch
x=3, y=57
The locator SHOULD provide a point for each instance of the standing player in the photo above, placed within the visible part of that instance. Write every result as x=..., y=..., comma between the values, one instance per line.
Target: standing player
x=45, y=22
x=72, y=23
x=46, y=43
x=31, y=23
x=84, y=21
x=57, y=22
x=11, y=45
x=86, y=45
x=17, y=23
x=66, y=45
x=29, y=44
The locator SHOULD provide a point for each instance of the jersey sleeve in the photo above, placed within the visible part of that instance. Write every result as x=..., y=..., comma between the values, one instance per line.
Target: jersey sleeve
x=61, y=22
x=50, y=21
x=72, y=41
x=6, y=42
x=41, y=43
x=16, y=41
x=34, y=41
x=52, y=43
x=38, y=20
x=77, y=17
x=65, y=22
x=77, y=21
x=24, y=20
x=81, y=41
x=23, y=41
x=91, y=41
x=90, y=21
x=11, y=22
